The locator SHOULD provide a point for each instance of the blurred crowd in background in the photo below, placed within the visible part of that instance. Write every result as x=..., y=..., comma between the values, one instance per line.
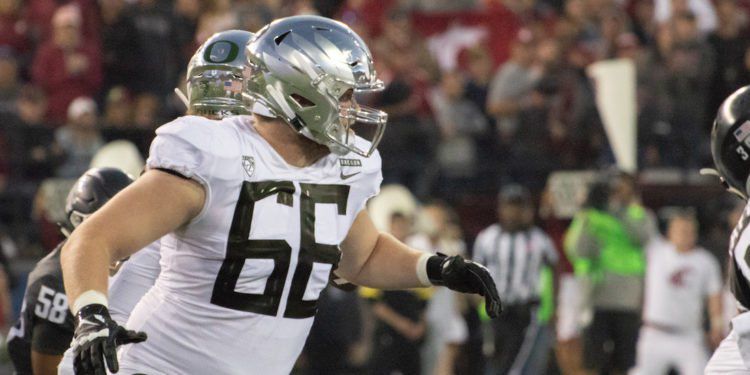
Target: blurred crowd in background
x=481, y=94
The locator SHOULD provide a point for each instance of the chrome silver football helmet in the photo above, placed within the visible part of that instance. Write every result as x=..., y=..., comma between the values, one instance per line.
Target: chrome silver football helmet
x=214, y=75
x=300, y=68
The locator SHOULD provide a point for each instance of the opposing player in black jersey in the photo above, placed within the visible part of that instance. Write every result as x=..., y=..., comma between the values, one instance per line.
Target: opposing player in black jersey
x=730, y=147
x=45, y=328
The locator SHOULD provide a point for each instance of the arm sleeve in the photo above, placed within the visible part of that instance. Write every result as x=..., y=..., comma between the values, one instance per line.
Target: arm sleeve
x=187, y=147
x=178, y=155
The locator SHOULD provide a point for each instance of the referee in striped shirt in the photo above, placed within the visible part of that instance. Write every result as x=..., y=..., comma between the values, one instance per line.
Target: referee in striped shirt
x=515, y=252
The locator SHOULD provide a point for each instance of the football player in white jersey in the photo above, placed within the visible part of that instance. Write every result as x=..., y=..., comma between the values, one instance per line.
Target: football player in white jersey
x=209, y=96
x=730, y=147
x=255, y=212
x=682, y=280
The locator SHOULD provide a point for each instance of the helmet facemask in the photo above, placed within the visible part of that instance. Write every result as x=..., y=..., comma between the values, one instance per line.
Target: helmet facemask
x=350, y=121
x=75, y=218
x=724, y=183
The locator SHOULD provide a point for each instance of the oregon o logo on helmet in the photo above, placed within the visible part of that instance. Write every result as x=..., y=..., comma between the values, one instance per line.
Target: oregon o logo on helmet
x=220, y=52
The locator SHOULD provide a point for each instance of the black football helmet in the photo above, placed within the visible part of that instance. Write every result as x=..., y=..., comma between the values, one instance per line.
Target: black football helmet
x=730, y=142
x=92, y=190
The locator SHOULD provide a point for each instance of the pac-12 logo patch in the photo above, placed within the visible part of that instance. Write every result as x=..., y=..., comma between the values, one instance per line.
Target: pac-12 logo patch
x=248, y=164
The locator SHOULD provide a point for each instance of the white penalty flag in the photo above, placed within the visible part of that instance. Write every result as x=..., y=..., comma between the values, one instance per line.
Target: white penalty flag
x=614, y=83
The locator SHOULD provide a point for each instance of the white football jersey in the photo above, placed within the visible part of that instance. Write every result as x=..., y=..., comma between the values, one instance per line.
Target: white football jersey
x=239, y=284
x=677, y=285
x=134, y=278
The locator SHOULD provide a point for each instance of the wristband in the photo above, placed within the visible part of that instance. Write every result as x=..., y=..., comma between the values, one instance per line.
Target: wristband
x=422, y=273
x=89, y=297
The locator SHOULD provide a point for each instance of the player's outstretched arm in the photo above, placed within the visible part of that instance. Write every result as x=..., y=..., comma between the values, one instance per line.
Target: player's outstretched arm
x=156, y=204
x=378, y=260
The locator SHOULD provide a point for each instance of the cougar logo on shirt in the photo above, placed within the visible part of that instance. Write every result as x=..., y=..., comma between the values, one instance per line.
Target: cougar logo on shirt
x=677, y=278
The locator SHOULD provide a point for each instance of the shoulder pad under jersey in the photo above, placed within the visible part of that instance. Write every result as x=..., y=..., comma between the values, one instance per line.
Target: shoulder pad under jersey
x=204, y=134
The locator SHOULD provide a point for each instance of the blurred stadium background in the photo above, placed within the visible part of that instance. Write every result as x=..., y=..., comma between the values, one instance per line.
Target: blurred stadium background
x=480, y=94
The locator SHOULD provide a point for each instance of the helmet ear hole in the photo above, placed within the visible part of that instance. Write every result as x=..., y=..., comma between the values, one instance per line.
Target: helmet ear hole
x=302, y=101
x=281, y=38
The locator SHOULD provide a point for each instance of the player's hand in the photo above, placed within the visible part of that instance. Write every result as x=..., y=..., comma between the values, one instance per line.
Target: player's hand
x=465, y=276
x=96, y=339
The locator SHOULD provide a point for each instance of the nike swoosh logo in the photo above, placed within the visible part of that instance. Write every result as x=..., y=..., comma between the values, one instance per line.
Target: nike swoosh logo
x=345, y=176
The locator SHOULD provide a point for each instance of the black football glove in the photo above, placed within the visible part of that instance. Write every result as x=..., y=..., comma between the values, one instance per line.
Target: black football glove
x=96, y=339
x=465, y=276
